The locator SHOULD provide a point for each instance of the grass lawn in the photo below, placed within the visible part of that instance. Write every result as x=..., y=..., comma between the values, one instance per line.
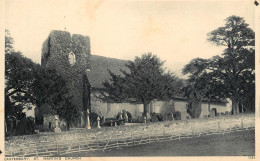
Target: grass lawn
x=238, y=143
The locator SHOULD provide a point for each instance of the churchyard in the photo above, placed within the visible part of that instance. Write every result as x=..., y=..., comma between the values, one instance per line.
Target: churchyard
x=87, y=141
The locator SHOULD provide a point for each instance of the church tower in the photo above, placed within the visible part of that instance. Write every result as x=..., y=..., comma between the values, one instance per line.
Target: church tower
x=69, y=55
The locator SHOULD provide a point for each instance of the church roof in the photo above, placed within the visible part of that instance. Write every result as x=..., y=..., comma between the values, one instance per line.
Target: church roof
x=99, y=66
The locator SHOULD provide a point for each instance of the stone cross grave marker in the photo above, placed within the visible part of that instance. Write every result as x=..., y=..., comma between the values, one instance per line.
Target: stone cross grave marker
x=98, y=123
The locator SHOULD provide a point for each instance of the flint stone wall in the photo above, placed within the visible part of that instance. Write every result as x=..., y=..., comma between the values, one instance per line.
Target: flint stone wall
x=55, y=55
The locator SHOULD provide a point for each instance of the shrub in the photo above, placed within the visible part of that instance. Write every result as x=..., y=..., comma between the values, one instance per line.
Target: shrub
x=25, y=127
x=194, y=104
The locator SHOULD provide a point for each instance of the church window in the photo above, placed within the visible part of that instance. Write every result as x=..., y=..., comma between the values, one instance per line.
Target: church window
x=72, y=58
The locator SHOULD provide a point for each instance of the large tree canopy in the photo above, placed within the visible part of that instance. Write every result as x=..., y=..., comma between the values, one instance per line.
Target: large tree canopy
x=18, y=83
x=230, y=75
x=18, y=80
x=144, y=81
x=28, y=84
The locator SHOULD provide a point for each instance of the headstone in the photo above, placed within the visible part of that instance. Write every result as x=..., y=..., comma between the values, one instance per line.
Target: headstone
x=170, y=117
x=115, y=124
x=154, y=117
x=98, y=123
x=126, y=117
x=57, y=128
x=120, y=115
x=88, y=121
x=212, y=113
x=183, y=117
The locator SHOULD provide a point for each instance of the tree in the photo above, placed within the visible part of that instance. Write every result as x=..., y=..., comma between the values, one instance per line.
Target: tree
x=194, y=103
x=53, y=97
x=144, y=81
x=115, y=87
x=238, y=60
x=9, y=41
x=29, y=83
x=18, y=83
x=231, y=74
x=201, y=84
x=67, y=111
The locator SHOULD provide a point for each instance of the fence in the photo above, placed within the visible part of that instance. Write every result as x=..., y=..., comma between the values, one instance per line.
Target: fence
x=145, y=134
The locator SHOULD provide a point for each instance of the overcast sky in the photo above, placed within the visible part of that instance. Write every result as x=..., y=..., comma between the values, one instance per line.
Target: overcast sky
x=175, y=31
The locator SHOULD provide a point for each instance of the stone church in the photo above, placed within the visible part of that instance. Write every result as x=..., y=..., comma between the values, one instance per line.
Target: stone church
x=71, y=56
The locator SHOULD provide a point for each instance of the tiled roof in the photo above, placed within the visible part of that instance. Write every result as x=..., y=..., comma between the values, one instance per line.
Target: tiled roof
x=99, y=66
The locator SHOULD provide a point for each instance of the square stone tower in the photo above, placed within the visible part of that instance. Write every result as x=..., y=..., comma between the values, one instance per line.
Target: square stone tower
x=69, y=55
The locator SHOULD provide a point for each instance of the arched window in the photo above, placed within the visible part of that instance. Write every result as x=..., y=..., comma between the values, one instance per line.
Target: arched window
x=72, y=58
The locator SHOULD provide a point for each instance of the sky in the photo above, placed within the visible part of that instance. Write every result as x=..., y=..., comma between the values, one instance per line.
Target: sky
x=176, y=31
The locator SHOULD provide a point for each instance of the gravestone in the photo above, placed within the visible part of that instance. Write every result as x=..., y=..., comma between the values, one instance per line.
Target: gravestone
x=170, y=117
x=57, y=128
x=98, y=123
x=183, y=116
x=120, y=115
x=126, y=117
x=154, y=117
x=212, y=113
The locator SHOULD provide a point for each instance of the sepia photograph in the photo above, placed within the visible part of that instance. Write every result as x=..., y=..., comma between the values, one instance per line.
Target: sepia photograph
x=134, y=78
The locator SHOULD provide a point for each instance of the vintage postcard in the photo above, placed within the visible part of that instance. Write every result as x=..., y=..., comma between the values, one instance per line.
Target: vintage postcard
x=137, y=79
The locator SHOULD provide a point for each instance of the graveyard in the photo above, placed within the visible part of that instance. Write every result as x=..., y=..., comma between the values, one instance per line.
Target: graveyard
x=86, y=141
